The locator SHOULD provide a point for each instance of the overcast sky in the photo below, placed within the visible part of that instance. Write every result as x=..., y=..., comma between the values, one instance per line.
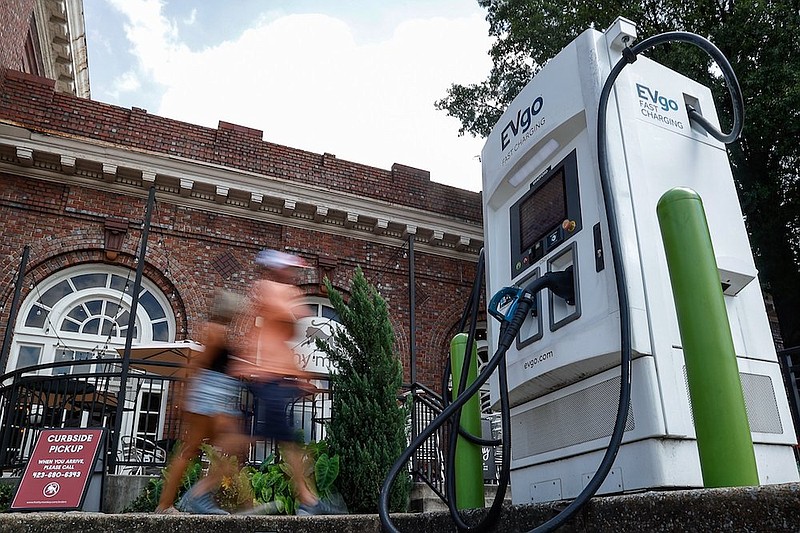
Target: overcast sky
x=355, y=78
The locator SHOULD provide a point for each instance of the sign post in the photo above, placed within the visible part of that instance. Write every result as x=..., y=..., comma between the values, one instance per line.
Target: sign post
x=61, y=471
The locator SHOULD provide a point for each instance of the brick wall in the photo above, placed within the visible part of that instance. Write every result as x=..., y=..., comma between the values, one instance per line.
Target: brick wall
x=33, y=102
x=192, y=252
x=64, y=224
x=15, y=21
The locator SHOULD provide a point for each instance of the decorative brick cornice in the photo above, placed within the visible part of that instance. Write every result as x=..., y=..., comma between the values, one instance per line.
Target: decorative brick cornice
x=235, y=192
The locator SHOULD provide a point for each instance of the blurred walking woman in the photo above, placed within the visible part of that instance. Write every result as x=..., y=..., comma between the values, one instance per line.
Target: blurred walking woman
x=269, y=361
x=210, y=408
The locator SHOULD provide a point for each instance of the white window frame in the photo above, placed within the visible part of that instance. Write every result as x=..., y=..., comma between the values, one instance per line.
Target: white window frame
x=51, y=338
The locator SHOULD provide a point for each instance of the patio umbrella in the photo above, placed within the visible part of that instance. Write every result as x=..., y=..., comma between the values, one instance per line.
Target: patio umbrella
x=54, y=391
x=167, y=359
x=93, y=400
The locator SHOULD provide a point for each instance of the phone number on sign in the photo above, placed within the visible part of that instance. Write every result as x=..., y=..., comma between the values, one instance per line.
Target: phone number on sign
x=39, y=475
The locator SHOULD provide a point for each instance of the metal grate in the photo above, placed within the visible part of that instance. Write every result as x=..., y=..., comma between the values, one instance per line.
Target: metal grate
x=759, y=402
x=578, y=417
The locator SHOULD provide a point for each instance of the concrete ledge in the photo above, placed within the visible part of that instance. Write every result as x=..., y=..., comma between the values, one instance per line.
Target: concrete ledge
x=424, y=500
x=120, y=491
x=772, y=508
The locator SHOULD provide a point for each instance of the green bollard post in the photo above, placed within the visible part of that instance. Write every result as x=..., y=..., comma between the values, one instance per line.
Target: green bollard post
x=723, y=431
x=469, y=456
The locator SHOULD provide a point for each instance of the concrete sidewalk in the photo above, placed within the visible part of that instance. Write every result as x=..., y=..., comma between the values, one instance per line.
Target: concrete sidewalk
x=752, y=509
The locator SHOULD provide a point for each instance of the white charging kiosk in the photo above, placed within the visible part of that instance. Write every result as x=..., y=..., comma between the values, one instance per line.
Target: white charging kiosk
x=544, y=211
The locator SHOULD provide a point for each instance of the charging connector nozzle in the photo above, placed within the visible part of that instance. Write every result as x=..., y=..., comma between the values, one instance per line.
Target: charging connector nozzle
x=560, y=283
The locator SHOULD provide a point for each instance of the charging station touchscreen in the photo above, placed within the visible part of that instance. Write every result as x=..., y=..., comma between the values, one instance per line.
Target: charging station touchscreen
x=547, y=215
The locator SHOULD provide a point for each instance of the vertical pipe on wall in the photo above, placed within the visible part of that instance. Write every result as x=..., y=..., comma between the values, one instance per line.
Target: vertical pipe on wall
x=126, y=356
x=412, y=332
x=412, y=315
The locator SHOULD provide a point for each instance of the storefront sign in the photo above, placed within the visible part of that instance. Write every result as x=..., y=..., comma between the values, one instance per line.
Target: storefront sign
x=309, y=357
x=59, y=469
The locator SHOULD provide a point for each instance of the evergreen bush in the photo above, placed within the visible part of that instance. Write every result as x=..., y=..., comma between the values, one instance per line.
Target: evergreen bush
x=6, y=496
x=368, y=424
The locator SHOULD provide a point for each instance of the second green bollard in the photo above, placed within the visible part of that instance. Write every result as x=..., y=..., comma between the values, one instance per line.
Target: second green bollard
x=469, y=456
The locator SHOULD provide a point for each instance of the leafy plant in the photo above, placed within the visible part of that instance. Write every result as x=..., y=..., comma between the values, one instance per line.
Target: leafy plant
x=326, y=470
x=367, y=428
x=6, y=495
x=147, y=500
x=235, y=491
x=248, y=486
x=272, y=481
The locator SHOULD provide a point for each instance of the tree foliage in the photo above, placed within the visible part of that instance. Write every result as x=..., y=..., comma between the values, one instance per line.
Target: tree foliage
x=761, y=39
x=367, y=428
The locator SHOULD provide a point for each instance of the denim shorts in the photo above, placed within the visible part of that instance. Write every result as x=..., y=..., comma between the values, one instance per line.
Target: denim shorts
x=213, y=393
x=272, y=414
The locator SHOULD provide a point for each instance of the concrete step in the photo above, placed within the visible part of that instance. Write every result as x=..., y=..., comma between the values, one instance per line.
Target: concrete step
x=423, y=499
x=773, y=508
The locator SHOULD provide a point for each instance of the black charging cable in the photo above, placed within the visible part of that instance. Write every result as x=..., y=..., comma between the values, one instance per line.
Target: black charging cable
x=508, y=333
x=471, y=311
x=510, y=329
x=731, y=82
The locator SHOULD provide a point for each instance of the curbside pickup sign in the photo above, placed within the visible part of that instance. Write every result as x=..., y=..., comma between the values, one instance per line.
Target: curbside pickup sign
x=59, y=470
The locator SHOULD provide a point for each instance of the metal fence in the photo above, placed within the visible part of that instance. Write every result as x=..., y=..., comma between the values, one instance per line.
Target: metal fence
x=428, y=461
x=427, y=464
x=87, y=394
x=789, y=360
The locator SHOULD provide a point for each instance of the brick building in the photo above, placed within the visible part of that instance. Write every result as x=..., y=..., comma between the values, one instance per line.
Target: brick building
x=76, y=175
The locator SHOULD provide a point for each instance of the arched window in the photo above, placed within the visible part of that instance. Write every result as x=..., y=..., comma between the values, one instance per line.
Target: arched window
x=83, y=312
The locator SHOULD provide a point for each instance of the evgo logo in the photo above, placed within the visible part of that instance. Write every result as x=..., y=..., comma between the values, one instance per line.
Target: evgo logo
x=664, y=103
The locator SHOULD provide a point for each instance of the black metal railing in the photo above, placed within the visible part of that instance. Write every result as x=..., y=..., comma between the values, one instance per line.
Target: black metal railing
x=428, y=461
x=789, y=360
x=85, y=394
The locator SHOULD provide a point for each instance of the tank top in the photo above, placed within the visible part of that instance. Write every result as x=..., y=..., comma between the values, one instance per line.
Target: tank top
x=221, y=360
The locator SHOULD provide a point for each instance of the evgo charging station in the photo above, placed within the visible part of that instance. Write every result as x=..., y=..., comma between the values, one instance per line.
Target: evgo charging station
x=545, y=211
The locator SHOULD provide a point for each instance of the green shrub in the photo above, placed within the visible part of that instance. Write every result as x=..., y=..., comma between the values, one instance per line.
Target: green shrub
x=235, y=491
x=6, y=495
x=367, y=428
x=147, y=500
x=246, y=487
x=272, y=481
